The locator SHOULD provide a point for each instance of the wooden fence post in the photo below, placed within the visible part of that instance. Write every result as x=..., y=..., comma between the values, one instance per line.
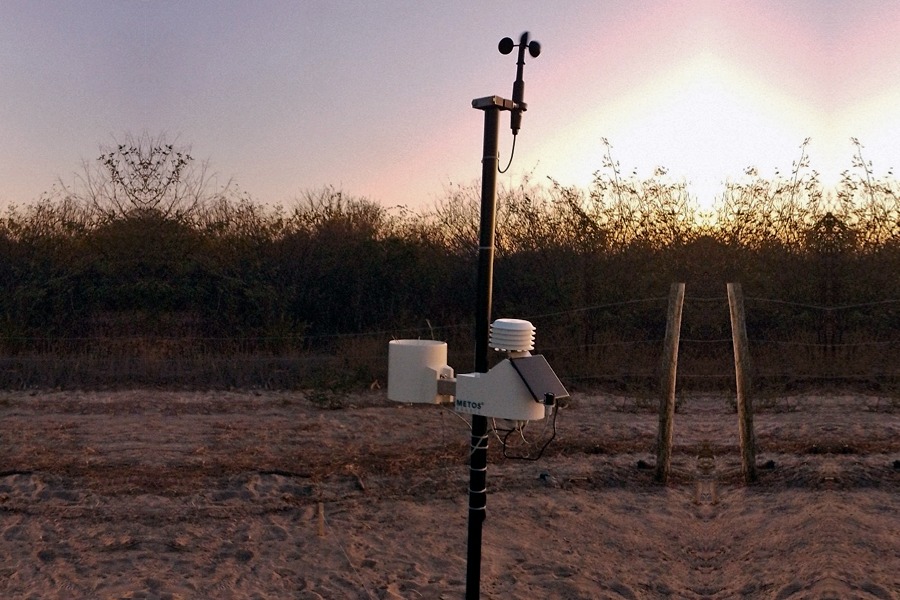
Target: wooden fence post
x=669, y=370
x=746, y=433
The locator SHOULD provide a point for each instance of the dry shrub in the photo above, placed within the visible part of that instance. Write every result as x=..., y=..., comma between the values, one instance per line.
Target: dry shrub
x=206, y=288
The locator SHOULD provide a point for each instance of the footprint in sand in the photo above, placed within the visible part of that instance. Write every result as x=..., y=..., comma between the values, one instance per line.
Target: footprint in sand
x=705, y=492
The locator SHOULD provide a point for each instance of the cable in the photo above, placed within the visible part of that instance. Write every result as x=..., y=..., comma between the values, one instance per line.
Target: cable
x=595, y=307
x=461, y=418
x=347, y=557
x=521, y=429
x=821, y=306
x=478, y=445
x=511, y=154
x=823, y=345
x=604, y=344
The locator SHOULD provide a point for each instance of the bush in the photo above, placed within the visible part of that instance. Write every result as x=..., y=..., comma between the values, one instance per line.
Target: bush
x=146, y=252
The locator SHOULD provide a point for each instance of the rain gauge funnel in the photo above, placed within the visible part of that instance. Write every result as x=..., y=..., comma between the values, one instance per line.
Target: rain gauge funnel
x=414, y=368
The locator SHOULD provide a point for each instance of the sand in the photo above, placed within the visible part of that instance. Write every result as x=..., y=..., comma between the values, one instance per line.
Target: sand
x=159, y=494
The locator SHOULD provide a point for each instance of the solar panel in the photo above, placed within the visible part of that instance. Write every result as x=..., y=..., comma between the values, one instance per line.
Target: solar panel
x=539, y=378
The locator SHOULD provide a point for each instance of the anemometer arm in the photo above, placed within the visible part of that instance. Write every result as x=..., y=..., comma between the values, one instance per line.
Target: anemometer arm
x=516, y=106
x=534, y=49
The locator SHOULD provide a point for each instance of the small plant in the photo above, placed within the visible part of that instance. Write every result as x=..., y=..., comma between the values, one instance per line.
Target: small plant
x=327, y=399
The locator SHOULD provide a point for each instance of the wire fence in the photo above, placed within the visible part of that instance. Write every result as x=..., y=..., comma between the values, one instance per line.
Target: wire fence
x=615, y=345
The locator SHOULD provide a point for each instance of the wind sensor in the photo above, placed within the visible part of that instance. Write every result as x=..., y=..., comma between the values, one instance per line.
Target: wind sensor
x=518, y=96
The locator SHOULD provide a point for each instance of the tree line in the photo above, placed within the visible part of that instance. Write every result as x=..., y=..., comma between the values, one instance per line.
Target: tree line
x=145, y=247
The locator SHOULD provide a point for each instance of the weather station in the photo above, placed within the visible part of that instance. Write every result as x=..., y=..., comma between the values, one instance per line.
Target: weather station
x=521, y=387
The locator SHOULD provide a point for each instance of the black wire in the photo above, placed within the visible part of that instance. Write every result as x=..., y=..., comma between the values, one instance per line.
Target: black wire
x=541, y=451
x=511, y=154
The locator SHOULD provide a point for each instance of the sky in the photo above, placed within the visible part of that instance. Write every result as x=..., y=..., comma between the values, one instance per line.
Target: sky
x=374, y=98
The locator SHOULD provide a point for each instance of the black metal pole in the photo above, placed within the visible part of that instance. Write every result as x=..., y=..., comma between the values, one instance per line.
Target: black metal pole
x=478, y=458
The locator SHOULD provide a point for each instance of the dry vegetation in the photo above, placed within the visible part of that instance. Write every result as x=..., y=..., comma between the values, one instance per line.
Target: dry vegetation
x=144, y=274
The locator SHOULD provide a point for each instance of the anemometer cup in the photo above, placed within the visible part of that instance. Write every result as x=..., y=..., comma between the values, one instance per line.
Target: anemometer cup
x=506, y=45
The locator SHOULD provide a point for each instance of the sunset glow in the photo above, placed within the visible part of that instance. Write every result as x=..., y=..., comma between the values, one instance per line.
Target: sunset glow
x=285, y=97
x=701, y=121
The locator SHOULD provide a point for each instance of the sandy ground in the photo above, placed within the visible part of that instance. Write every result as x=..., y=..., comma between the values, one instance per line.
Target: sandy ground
x=153, y=494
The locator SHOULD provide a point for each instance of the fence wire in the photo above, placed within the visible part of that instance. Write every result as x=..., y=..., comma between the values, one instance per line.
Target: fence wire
x=343, y=358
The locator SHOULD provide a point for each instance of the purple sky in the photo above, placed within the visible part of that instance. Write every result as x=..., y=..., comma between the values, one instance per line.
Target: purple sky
x=374, y=97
